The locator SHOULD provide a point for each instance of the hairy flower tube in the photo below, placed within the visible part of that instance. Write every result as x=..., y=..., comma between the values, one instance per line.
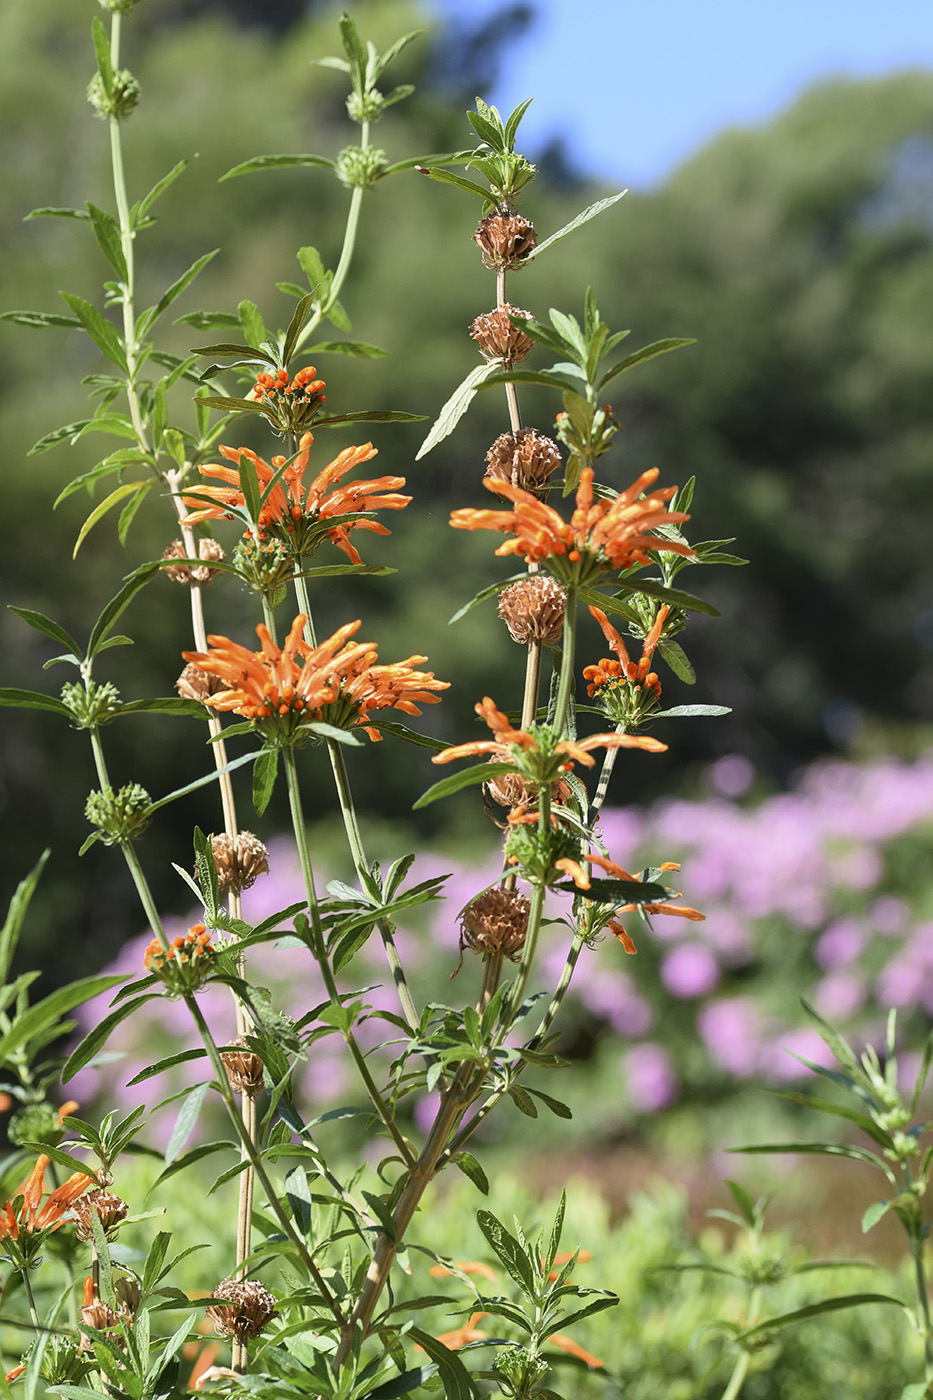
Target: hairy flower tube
x=602, y=534
x=297, y=514
x=26, y=1220
x=190, y=959
x=626, y=693
x=281, y=689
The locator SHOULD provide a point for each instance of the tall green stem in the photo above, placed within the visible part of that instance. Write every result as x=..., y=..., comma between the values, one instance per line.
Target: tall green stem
x=359, y=1059
x=346, y=255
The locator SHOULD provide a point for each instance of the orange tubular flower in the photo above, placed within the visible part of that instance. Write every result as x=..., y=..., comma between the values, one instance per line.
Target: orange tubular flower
x=533, y=751
x=612, y=673
x=297, y=513
x=461, y=1336
x=466, y=1266
x=602, y=533
x=337, y=681
x=568, y=1345
x=25, y=1215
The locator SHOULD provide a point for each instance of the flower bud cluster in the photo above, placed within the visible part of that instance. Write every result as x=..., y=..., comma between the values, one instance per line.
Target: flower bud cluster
x=35, y=1123
x=290, y=405
x=91, y=705
x=587, y=434
x=186, y=964
x=119, y=816
x=359, y=167
x=264, y=565
x=123, y=96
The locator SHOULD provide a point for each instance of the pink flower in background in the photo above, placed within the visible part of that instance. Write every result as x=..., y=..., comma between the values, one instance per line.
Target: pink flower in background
x=649, y=1077
x=690, y=971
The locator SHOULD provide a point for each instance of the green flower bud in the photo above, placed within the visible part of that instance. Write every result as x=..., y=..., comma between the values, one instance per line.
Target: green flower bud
x=265, y=565
x=92, y=705
x=368, y=108
x=35, y=1122
x=360, y=166
x=520, y=1367
x=122, y=98
x=121, y=7
x=120, y=816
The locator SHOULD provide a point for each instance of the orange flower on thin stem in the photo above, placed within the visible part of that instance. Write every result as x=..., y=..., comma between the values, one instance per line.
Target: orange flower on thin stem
x=535, y=752
x=337, y=681
x=609, y=675
x=603, y=533
x=26, y=1216
x=298, y=514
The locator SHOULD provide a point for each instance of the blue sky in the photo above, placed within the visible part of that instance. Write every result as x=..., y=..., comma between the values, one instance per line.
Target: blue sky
x=639, y=85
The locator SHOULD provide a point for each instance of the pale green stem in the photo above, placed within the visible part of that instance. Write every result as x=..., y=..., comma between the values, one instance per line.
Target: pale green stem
x=737, y=1379
x=565, y=687
x=359, y=1059
x=917, y=1245
x=346, y=255
x=355, y=838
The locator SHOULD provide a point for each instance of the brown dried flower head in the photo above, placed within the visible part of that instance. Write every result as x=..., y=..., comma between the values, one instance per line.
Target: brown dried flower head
x=496, y=922
x=195, y=684
x=109, y=1208
x=202, y=574
x=498, y=339
x=240, y=861
x=505, y=239
x=98, y=1315
x=246, y=1311
x=533, y=609
x=244, y=1068
x=527, y=459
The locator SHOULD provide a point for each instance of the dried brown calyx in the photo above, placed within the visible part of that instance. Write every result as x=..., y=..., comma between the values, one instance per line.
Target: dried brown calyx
x=244, y=1068
x=527, y=459
x=498, y=339
x=495, y=923
x=209, y=551
x=533, y=609
x=246, y=1309
x=240, y=860
x=195, y=684
x=109, y=1208
x=505, y=239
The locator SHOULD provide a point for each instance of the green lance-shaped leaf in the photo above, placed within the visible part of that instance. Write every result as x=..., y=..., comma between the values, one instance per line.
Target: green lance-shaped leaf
x=458, y=1383
x=149, y=318
x=100, y=1033
x=265, y=771
x=508, y=1249
x=16, y=913
x=276, y=162
x=638, y=357
x=43, y=319
x=49, y=1012
x=103, y=333
x=32, y=700
x=468, y=777
x=184, y=1124
x=675, y=597
x=49, y=628
x=447, y=177
x=117, y=606
x=129, y=489
x=849, y=1300
x=107, y=233
x=455, y=407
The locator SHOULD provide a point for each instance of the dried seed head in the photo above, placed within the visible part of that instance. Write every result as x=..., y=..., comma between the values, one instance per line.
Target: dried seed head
x=505, y=239
x=109, y=1208
x=527, y=459
x=533, y=609
x=195, y=684
x=240, y=861
x=244, y=1068
x=246, y=1311
x=510, y=790
x=498, y=339
x=496, y=922
x=97, y=1314
x=128, y=1294
x=208, y=550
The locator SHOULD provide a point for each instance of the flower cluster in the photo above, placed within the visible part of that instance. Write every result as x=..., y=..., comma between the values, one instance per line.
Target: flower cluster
x=301, y=515
x=627, y=693
x=290, y=405
x=189, y=959
x=282, y=689
x=606, y=532
x=26, y=1220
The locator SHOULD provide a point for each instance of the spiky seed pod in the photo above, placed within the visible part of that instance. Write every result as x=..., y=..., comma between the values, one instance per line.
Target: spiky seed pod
x=496, y=922
x=533, y=609
x=505, y=239
x=498, y=339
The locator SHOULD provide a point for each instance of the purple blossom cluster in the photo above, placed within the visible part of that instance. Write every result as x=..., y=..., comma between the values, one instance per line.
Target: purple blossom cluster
x=801, y=897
